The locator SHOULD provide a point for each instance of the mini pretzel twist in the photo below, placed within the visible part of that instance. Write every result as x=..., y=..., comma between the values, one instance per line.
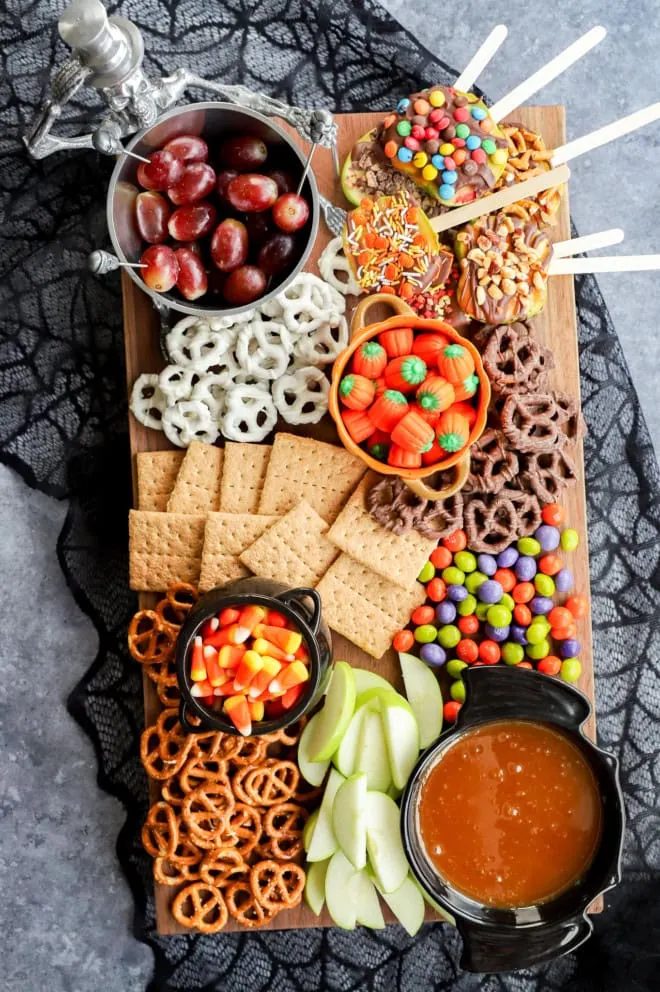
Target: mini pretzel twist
x=283, y=825
x=206, y=811
x=244, y=828
x=272, y=784
x=244, y=908
x=277, y=886
x=200, y=906
x=198, y=770
x=169, y=872
x=223, y=865
x=149, y=641
x=160, y=833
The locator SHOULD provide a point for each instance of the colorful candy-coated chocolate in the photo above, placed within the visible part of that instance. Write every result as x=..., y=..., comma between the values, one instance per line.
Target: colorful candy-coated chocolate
x=549, y=665
x=403, y=640
x=427, y=572
x=564, y=580
x=465, y=561
x=474, y=580
x=449, y=636
x=571, y=670
x=528, y=546
x=544, y=585
x=508, y=557
x=525, y=568
x=455, y=667
x=490, y=591
x=570, y=648
x=553, y=514
x=518, y=634
x=498, y=634
x=570, y=539
x=548, y=537
x=422, y=614
x=441, y=557
x=540, y=604
x=457, y=593
x=490, y=652
x=467, y=606
x=433, y=655
x=456, y=541
x=487, y=564
x=468, y=625
x=436, y=590
x=453, y=576
x=512, y=654
x=445, y=612
x=467, y=650
x=450, y=711
x=457, y=691
x=499, y=616
x=426, y=633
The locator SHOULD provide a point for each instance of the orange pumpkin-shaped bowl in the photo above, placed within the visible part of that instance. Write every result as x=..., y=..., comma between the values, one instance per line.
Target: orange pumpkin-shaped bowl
x=406, y=317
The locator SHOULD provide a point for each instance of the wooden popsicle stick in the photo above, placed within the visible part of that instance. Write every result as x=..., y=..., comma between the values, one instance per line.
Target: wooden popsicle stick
x=497, y=201
x=590, y=242
x=606, y=263
x=481, y=58
x=555, y=67
x=610, y=132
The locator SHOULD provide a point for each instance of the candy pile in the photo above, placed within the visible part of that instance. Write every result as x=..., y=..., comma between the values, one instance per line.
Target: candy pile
x=392, y=249
x=447, y=142
x=258, y=213
x=249, y=662
x=408, y=396
x=234, y=375
x=484, y=609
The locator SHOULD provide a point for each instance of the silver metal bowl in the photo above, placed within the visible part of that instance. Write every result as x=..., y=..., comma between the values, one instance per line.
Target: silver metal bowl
x=213, y=121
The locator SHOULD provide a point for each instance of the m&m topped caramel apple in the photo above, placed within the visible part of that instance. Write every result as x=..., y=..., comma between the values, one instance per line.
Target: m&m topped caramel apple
x=504, y=265
x=447, y=142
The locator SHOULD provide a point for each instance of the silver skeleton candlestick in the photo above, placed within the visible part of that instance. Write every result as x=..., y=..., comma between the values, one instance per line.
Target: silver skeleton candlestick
x=107, y=54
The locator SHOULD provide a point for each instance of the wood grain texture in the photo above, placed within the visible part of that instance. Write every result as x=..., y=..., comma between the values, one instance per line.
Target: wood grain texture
x=556, y=328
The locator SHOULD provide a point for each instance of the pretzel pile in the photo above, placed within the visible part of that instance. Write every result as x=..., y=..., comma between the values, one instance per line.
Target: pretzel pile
x=235, y=376
x=228, y=827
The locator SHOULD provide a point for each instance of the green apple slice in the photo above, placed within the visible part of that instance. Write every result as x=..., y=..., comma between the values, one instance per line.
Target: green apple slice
x=425, y=697
x=376, y=694
x=315, y=886
x=308, y=829
x=335, y=715
x=345, y=756
x=372, y=752
x=407, y=904
x=323, y=843
x=349, y=819
x=312, y=771
x=368, y=911
x=341, y=882
x=402, y=737
x=364, y=679
x=384, y=847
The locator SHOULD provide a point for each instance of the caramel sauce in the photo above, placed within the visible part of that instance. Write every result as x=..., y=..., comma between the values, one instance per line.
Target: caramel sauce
x=510, y=815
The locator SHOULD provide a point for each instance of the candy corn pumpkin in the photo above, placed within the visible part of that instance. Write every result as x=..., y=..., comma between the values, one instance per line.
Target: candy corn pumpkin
x=452, y=431
x=405, y=373
x=429, y=346
x=435, y=395
x=370, y=359
x=358, y=425
x=468, y=411
x=413, y=433
x=400, y=458
x=386, y=411
x=398, y=341
x=455, y=363
x=378, y=445
x=356, y=391
x=465, y=390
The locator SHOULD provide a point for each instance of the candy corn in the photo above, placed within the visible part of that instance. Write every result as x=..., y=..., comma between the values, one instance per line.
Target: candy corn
x=197, y=667
x=216, y=675
x=249, y=617
x=210, y=627
x=222, y=636
x=262, y=646
x=275, y=619
x=201, y=690
x=262, y=679
x=228, y=616
x=236, y=708
x=291, y=696
x=287, y=640
x=250, y=665
x=230, y=655
x=256, y=708
x=293, y=674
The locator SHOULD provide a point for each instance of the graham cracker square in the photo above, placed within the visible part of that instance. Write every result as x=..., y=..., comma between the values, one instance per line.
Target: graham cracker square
x=397, y=557
x=164, y=548
x=300, y=468
x=156, y=475
x=295, y=550
x=197, y=486
x=364, y=607
x=226, y=536
x=243, y=476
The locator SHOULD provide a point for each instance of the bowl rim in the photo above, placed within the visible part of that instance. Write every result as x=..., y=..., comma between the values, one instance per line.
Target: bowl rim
x=194, y=621
x=163, y=300
x=423, y=325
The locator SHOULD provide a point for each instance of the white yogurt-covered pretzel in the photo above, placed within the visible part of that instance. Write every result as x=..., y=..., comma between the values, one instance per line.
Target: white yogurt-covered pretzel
x=147, y=401
x=210, y=390
x=301, y=396
x=250, y=414
x=323, y=345
x=306, y=304
x=333, y=261
x=189, y=420
x=191, y=342
x=176, y=383
x=264, y=349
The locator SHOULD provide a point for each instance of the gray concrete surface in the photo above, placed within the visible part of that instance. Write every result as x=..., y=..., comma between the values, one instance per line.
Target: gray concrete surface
x=616, y=186
x=65, y=911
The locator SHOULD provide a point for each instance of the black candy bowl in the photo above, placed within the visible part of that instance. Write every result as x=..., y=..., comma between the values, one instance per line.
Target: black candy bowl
x=497, y=940
x=301, y=606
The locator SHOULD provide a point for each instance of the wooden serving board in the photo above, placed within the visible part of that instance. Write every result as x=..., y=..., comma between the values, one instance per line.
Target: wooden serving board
x=556, y=328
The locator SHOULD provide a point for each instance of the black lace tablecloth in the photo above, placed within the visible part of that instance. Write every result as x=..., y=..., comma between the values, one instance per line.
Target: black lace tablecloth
x=63, y=426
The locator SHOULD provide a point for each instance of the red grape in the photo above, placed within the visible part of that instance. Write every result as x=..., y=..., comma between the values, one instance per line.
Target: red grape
x=193, y=221
x=194, y=246
x=244, y=153
x=162, y=269
x=152, y=212
x=252, y=192
x=284, y=180
x=192, y=281
x=276, y=254
x=188, y=147
x=244, y=285
x=259, y=227
x=197, y=182
x=291, y=212
x=162, y=170
x=222, y=182
x=229, y=245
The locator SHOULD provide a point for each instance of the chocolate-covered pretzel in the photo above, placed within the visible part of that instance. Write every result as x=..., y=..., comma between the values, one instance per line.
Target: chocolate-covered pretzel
x=493, y=463
x=514, y=360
